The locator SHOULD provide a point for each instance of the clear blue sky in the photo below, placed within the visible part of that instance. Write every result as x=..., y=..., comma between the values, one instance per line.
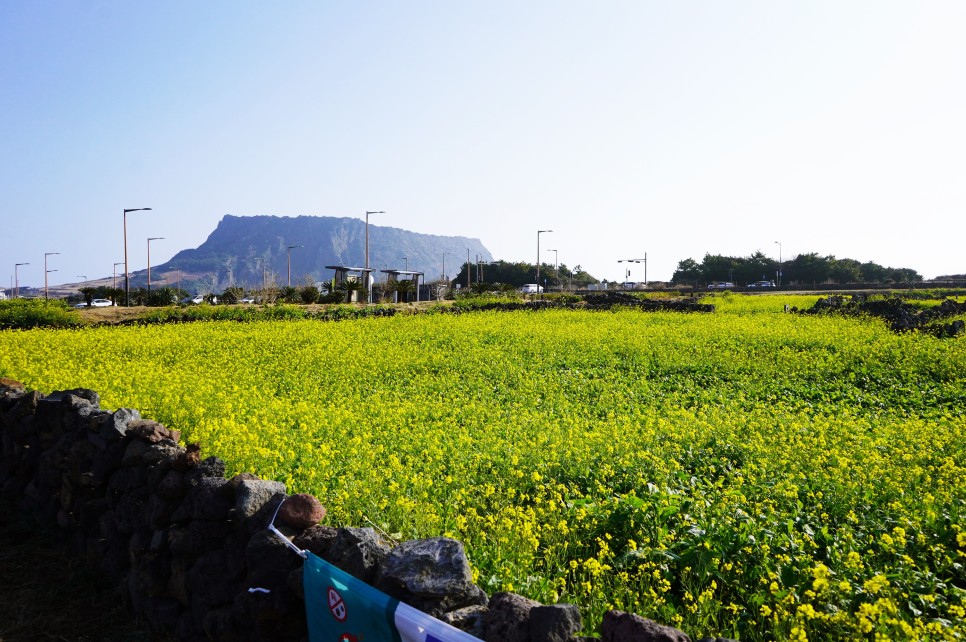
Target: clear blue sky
x=671, y=128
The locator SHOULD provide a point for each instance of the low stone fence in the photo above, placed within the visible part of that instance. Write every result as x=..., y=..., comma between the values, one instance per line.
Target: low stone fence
x=193, y=548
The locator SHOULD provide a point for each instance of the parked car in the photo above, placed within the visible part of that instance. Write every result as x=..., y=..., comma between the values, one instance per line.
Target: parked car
x=531, y=288
x=196, y=299
x=247, y=299
x=721, y=286
x=764, y=284
x=96, y=303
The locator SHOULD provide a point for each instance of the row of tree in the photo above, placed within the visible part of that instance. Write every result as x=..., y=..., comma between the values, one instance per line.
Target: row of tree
x=515, y=275
x=804, y=269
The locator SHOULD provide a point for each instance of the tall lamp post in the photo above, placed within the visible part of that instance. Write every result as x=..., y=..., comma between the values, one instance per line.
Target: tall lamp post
x=779, y=275
x=556, y=270
x=290, y=248
x=16, y=277
x=262, y=261
x=539, y=232
x=127, y=277
x=406, y=259
x=46, y=271
x=115, y=273
x=368, y=289
x=644, y=261
x=152, y=238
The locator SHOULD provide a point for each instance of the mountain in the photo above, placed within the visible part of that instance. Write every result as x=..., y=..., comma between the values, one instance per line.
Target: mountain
x=236, y=250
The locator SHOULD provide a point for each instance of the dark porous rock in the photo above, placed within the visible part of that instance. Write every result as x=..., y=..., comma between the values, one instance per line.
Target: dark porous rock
x=240, y=477
x=80, y=462
x=190, y=458
x=252, y=495
x=214, y=579
x=619, y=626
x=163, y=613
x=178, y=581
x=164, y=450
x=107, y=462
x=358, y=552
x=26, y=406
x=149, y=575
x=301, y=511
x=508, y=618
x=197, y=538
x=316, y=539
x=172, y=485
x=295, y=584
x=127, y=479
x=161, y=511
x=114, y=426
x=276, y=615
x=432, y=575
x=210, y=467
x=132, y=454
x=269, y=561
x=151, y=431
x=554, y=623
x=127, y=513
x=88, y=396
x=218, y=624
x=468, y=619
x=204, y=501
x=79, y=412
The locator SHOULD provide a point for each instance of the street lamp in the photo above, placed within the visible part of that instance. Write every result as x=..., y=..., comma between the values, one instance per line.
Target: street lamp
x=406, y=259
x=262, y=261
x=539, y=232
x=290, y=248
x=16, y=276
x=779, y=275
x=367, y=253
x=644, y=261
x=46, y=271
x=153, y=238
x=127, y=278
x=115, y=274
x=556, y=270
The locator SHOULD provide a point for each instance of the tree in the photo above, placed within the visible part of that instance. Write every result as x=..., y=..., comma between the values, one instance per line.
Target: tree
x=232, y=295
x=89, y=294
x=310, y=294
x=844, y=270
x=688, y=272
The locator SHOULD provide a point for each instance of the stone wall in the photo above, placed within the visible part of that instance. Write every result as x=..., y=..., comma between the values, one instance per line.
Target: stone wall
x=193, y=548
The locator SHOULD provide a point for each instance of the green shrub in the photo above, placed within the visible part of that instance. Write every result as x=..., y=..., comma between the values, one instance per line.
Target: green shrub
x=37, y=313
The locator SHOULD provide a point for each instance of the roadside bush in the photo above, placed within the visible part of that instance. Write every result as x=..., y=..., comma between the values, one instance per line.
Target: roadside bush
x=37, y=313
x=309, y=294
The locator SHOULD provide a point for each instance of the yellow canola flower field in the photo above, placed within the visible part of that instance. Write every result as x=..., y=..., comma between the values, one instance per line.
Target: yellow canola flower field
x=747, y=473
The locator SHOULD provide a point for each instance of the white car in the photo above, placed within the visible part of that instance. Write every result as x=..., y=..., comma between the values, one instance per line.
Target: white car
x=96, y=303
x=531, y=288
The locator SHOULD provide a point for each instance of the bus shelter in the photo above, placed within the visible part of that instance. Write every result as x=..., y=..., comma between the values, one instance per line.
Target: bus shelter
x=345, y=274
x=404, y=285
